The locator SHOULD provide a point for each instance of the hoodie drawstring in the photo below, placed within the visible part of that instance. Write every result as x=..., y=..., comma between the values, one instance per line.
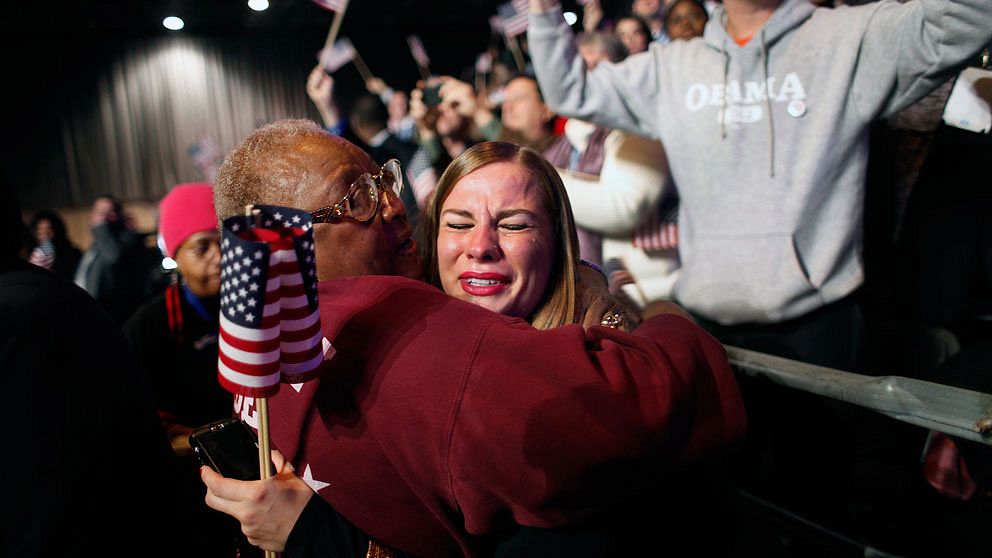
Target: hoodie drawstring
x=723, y=110
x=768, y=106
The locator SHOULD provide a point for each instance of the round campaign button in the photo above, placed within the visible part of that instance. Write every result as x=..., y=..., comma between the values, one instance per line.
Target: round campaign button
x=797, y=108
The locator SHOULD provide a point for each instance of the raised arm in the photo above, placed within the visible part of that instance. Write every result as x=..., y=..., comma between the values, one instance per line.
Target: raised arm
x=631, y=182
x=909, y=49
x=615, y=96
x=320, y=89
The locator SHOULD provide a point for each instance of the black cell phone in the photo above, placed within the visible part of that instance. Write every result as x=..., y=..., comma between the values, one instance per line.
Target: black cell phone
x=432, y=96
x=228, y=446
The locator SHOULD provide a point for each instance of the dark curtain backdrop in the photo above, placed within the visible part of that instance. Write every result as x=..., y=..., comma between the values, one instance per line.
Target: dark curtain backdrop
x=119, y=115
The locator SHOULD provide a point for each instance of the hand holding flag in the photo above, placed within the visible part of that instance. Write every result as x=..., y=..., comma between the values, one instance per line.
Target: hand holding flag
x=269, y=318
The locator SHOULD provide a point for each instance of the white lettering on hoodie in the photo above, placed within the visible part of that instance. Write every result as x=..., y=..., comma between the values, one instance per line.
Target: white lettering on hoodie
x=244, y=407
x=744, y=105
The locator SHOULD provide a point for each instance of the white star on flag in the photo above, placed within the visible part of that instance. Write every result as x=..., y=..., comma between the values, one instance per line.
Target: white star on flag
x=313, y=483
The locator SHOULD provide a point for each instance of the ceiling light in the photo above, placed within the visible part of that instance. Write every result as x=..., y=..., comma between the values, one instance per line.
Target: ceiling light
x=258, y=5
x=570, y=18
x=173, y=23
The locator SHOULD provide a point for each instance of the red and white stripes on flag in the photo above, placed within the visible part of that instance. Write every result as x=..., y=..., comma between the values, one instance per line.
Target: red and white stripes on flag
x=43, y=255
x=418, y=51
x=332, y=5
x=269, y=316
x=333, y=57
x=661, y=231
x=513, y=17
x=655, y=235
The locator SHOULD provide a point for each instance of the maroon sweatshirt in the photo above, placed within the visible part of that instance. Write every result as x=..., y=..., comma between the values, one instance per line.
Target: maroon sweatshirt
x=438, y=421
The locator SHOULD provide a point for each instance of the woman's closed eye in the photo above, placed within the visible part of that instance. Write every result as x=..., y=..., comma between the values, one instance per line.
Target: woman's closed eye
x=458, y=226
x=515, y=227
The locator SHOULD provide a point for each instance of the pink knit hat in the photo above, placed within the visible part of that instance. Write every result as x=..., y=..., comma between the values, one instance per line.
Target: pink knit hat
x=187, y=209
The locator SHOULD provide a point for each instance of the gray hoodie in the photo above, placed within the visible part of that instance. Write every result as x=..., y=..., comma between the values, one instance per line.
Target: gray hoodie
x=772, y=194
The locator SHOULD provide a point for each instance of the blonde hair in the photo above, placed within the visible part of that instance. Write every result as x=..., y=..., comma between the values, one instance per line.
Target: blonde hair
x=557, y=306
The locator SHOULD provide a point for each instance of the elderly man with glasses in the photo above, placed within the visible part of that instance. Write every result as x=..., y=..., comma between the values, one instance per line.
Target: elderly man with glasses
x=439, y=426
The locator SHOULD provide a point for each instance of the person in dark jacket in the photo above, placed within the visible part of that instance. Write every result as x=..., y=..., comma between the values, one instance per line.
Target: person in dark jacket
x=86, y=468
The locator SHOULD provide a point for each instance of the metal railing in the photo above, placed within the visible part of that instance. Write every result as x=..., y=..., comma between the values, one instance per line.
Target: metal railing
x=954, y=411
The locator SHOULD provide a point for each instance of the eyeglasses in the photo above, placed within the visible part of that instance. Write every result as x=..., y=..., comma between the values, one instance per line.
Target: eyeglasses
x=362, y=201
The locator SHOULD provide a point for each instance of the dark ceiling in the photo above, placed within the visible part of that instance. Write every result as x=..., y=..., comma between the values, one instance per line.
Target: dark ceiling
x=453, y=31
x=145, y=16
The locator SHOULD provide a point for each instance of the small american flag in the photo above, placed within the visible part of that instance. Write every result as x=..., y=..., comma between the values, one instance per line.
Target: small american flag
x=332, y=5
x=337, y=55
x=661, y=230
x=513, y=17
x=654, y=236
x=269, y=316
x=205, y=154
x=418, y=51
x=43, y=254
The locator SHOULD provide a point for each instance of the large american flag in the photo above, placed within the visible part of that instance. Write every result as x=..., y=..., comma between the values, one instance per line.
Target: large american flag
x=333, y=57
x=332, y=5
x=513, y=17
x=269, y=317
x=418, y=51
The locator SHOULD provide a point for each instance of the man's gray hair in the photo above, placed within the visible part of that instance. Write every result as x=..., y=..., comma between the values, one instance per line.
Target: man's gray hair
x=265, y=168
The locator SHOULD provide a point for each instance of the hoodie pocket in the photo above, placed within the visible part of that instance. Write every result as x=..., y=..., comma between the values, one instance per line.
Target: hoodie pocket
x=739, y=279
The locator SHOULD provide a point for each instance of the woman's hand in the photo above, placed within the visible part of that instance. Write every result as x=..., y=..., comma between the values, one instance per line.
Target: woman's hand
x=267, y=509
x=595, y=305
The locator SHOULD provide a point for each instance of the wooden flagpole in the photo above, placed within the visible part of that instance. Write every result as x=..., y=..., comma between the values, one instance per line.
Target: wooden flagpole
x=518, y=56
x=361, y=67
x=332, y=33
x=262, y=403
x=425, y=73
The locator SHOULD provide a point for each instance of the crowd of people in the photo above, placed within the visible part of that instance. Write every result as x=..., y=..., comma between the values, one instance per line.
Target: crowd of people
x=526, y=282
